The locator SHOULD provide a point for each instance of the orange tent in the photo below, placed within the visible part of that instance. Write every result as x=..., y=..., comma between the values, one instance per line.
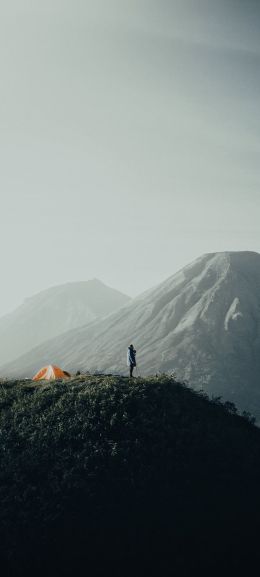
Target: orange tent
x=50, y=373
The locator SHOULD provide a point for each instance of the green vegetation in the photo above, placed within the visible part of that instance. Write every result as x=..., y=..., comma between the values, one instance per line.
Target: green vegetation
x=112, y=476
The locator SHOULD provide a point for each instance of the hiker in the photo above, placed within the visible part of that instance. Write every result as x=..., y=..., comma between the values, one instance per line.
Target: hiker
x=131, y=362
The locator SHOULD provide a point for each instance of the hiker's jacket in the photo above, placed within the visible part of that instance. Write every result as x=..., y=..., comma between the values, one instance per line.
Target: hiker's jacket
x=131, y=357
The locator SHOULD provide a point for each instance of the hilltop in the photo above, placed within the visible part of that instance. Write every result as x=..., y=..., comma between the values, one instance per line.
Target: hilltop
x=202, y=323
x=112, y=476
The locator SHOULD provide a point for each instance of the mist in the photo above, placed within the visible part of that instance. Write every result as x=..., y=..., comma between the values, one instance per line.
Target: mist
x=129, y=139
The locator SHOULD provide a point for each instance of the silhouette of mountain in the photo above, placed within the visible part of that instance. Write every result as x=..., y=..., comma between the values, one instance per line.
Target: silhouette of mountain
x=54, y=311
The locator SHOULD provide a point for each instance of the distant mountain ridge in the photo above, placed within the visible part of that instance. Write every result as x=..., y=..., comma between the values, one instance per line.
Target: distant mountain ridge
x=53, y=312
x=202, y=323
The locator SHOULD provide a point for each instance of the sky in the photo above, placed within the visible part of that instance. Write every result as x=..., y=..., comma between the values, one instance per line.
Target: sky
x=129, y=139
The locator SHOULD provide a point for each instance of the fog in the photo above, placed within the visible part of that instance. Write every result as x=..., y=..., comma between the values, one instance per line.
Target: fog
x=129, y=139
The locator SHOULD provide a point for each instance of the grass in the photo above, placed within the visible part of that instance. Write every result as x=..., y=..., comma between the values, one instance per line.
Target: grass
x=108, y=475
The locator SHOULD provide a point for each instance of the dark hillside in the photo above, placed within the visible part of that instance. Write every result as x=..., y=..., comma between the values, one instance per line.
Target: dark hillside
x=107, y=476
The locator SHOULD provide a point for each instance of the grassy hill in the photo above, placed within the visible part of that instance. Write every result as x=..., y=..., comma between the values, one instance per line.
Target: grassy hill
x=111, y=476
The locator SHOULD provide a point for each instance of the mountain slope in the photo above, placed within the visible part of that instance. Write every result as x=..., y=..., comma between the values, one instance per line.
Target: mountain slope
x=105, y=476
x=203, y=323
x=53, y=312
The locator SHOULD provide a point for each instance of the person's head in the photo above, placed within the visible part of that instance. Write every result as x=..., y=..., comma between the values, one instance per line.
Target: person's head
x=131, y=346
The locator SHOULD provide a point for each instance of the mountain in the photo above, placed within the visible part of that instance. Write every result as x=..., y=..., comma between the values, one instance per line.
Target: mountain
x=203, y=324
x=104, y=476
x=54, y=311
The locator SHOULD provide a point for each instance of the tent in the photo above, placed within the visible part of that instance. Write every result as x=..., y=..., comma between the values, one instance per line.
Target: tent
x=50, y=373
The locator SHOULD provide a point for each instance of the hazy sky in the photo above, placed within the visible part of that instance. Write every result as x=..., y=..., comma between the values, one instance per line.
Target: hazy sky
x=129, y=139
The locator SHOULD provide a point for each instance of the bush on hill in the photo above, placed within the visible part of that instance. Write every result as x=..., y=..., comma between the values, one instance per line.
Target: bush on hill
x=112, y=476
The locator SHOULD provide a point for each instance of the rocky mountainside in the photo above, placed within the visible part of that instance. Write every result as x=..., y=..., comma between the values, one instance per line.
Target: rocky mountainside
x=54, y=311
x=203, y=324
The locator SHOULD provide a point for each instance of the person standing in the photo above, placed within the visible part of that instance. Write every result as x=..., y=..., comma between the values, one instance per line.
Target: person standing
x=131, y=361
